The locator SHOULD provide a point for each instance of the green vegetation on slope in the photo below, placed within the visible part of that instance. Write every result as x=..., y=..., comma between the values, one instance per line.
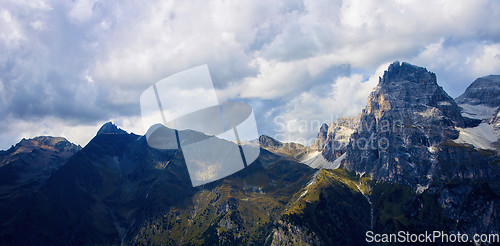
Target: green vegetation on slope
x=333, y=207
x=240, y=209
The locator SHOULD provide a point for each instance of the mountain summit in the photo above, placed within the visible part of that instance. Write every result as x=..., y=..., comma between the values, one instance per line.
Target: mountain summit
x=406, y=130
x=406, y=72
x=30, y=162
x=110, y=128
x=410, y=93
x=481, y=100
x=434, y=161
x=483, y=91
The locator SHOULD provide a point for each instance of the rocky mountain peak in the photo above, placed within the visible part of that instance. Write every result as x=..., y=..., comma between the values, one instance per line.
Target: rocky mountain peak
x=110, y=128
x=26, y=166
x=332, y=139
x=42, y=141
x=399, y=135
x=269, y=142
x=321, y=138
x=413, y=94
x=46, y=143
x=323, y=128
x=483, y=91
x=398, y=72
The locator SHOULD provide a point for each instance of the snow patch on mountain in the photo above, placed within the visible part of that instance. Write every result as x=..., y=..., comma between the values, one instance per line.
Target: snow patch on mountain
x=316, y=160
x=481, y=136
x=478, y=111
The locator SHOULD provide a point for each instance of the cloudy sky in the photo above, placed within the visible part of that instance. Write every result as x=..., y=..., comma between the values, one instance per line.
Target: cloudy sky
x=66, y=67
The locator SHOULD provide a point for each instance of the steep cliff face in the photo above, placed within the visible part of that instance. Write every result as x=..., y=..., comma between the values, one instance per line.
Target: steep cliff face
x=320, y=141
x=483, y=91
x=401, y=133
x=333, y=139
x=481, y=100
x=435, y=162
x=406, y=113
x=495, y=120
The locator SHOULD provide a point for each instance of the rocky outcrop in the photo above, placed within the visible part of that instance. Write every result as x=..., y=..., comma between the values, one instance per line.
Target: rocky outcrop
x=329, y=210
x=30, y=162
x=333, y=143
x=269, y=142
x=400, y=135
x=289, y=234
x=418, y=143
x=320, y=141
x=406, y=115
x=483, y=91
x=110, y=128
x=481, y=100
x=293, y=150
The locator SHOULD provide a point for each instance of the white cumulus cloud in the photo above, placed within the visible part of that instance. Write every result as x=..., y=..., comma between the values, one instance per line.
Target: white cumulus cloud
x=84, y=62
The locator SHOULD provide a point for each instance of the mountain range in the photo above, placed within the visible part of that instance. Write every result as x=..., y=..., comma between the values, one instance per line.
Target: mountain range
x=414, y=159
